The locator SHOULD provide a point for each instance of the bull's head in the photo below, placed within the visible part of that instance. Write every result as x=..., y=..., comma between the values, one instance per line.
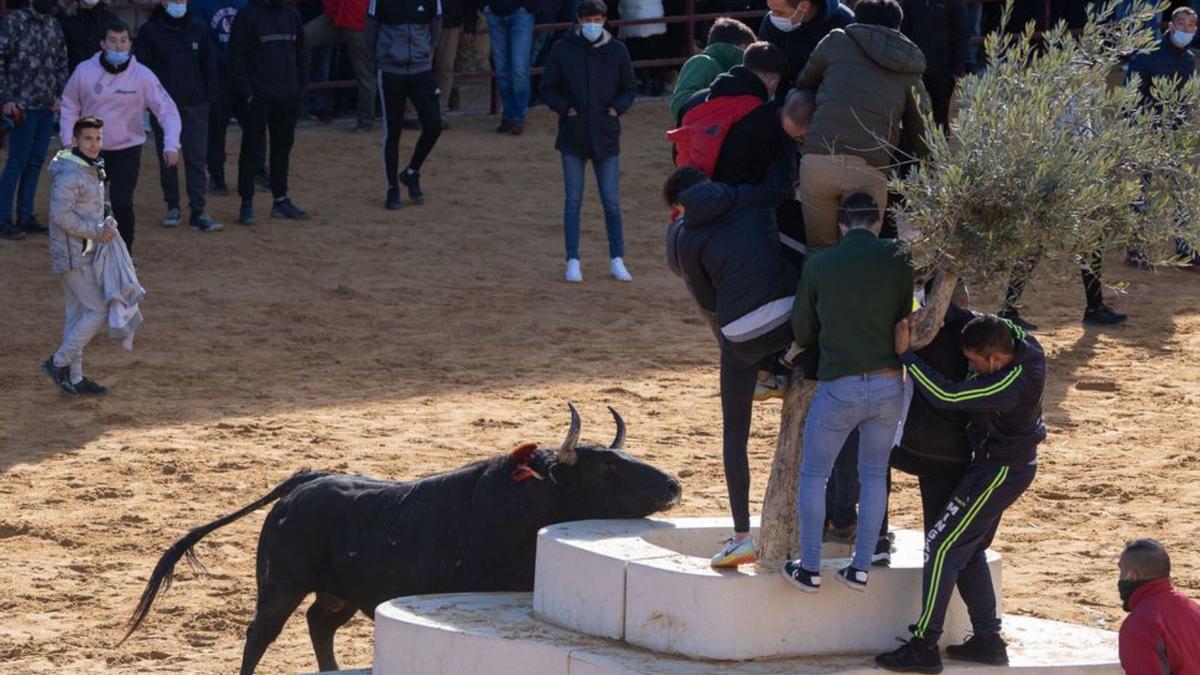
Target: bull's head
x=606, y=482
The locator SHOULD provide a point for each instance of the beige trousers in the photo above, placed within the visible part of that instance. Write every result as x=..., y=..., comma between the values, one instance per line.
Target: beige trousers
x=444, y=56
x=826, y=180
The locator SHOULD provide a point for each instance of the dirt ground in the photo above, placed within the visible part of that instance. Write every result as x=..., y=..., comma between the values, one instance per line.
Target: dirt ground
x=401, y=344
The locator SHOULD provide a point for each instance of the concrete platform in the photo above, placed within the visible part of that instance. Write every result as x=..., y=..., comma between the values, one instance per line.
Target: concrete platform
x=498, y=633
x=648, y=583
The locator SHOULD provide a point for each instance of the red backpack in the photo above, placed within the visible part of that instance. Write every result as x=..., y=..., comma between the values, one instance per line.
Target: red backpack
x=699, y=139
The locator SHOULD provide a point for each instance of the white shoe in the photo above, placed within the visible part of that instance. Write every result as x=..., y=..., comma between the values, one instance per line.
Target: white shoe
x=617, y=269
x=574, y=274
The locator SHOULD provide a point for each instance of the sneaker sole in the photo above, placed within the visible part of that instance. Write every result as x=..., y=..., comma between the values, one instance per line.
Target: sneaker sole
x=911, y=669
x=854, y=586
x=967, y=659
x=797, y=584
x=734, y=562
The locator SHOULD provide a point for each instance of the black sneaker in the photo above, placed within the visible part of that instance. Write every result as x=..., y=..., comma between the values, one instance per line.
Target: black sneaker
x=882, y=557
x=412, y=180
x=246, y=214
x=809, y=582
x=61, y=377
x=917, y=655
x=204, y=223
x=31, y=226
x=505, y=127
x=1013, y=316
x=853, y=578
x=989, y=648
x=217, y=187
x=10, y=231
x=89, y=388
x=284, y=208
x=1103, y=316
x=1137, y=260
x=394, y=202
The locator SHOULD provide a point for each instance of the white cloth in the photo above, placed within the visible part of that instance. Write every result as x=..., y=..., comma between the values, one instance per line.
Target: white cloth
x=118, y=282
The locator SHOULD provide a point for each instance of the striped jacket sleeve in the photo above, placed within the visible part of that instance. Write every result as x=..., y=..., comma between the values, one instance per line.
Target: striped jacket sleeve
x=998, y=392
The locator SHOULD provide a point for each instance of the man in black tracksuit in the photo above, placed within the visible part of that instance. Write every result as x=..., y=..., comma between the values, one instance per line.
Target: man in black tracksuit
x=728, y=254
x=180, y=53
x=402, y=36
x=939, y=28
x=1004, y=402
x=268, y=63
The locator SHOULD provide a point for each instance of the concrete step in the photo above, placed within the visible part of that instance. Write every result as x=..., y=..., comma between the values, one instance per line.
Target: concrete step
x=499, y=634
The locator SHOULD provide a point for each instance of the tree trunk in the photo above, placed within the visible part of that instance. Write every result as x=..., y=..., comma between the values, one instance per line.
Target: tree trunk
x=779, y=535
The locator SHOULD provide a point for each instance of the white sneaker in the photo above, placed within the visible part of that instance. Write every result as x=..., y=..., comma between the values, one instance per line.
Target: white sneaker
x=574, y=274
x=617, y=269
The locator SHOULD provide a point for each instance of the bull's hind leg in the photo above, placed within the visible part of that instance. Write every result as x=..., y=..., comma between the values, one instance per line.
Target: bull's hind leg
x=327, y=614
x=275, y=606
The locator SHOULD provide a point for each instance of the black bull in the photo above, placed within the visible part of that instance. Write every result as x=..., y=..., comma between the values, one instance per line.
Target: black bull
x=357, y=542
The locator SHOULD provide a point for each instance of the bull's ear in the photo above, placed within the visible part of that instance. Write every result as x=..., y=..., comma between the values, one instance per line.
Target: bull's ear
x=523, y=452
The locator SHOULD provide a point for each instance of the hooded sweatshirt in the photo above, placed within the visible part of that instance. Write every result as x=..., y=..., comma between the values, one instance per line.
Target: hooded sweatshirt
x=267, y=55
x=799, y=42
x=868, y=84
x=33, y=59
x=402, y=34
x=729, y=255
x=180, y=54
x=76, y=210
x=1005, y=407
x=700, y=71
x=218, y=15
x=118, y=96
x=83, y=28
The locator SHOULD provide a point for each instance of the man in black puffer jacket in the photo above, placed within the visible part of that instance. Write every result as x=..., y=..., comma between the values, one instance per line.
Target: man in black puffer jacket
x=729, y=256
x=589, y=82
x=175, y=45
x=268, y=62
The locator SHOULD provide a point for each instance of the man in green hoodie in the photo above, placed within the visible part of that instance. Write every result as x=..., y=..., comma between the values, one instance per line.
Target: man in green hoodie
x=869, y=101
x=727, y=40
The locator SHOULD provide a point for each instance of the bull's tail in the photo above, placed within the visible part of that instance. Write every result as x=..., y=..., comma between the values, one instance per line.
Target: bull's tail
x=164, y=571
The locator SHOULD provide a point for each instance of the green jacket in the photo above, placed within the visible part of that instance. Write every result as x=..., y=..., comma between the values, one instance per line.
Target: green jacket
x=850, y=298
x=700, y=71
x=868, y=84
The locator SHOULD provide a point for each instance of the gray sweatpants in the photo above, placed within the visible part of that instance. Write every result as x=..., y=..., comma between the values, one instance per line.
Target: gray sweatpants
x=86, y=314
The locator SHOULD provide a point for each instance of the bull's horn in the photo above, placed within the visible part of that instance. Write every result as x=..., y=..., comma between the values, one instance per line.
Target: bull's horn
x=566, y=454
x=619, y=441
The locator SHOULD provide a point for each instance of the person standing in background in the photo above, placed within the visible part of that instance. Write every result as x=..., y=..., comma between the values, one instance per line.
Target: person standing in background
x=33, y=69
x=727, y=41
x=114, y=87
x=225, y=105
x=83, y=23
x=345, y=21
x=797, y=26
x=268, y=62
x=510, y=30
x=445, y=53
x=174, y=44
x=943, y=32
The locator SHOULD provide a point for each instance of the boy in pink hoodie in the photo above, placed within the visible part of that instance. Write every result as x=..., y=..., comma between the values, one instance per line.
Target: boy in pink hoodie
x=116, y=88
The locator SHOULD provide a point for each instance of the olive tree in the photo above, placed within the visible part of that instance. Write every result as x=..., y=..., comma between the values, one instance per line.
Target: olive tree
x=1046, y=158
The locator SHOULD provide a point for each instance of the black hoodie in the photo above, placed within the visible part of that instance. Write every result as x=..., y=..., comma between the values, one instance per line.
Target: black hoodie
x=267, y=55
x=83, y=27
x=1005, y=407
x=179, y=52
x=755, y=141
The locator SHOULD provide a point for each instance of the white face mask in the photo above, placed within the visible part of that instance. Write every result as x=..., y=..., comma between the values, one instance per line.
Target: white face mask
x=90, y=3
x=591, y=31
x=783, y=23
x=1181, y=39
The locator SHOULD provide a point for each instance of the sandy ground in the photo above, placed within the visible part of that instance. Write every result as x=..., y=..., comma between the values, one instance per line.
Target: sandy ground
x=401, y=344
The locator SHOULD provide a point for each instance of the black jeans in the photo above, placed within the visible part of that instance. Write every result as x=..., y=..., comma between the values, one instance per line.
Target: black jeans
x=397, y=90
x=122, y=168
x=227, y=106
x=739, y=375
x=941, y=92
x=1093, y=287
x=193, y=142
x=277, y=117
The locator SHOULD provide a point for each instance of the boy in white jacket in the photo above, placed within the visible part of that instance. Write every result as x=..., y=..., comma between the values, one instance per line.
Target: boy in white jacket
x=77, y=214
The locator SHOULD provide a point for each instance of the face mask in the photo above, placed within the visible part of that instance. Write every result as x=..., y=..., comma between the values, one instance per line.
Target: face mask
x=591, y=31
x=90, y=3
x=1181, y=39
x=1126, y=588
x=176, y=9
x=116, y=58
x=783, y=23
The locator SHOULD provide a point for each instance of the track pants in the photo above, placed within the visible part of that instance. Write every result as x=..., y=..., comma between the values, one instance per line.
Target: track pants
x=422, y=89
x=739, y=374
x=193, y=141
x=956, y=546
x=263, y=116
x=122, y=168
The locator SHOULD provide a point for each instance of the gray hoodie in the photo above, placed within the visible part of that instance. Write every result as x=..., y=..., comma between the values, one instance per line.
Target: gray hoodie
x=402, y=34
x=76, y=210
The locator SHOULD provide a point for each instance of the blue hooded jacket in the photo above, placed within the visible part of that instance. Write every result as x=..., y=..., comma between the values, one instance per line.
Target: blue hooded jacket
x=218, y=14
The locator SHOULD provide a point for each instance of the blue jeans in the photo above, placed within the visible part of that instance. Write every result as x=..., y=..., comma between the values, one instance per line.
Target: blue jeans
x=27, y=146
x=512, y=41
x=873, y=404
x=608, y=173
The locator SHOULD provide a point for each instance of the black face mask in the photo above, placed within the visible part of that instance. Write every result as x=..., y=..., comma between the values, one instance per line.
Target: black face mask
x=1127, y=587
